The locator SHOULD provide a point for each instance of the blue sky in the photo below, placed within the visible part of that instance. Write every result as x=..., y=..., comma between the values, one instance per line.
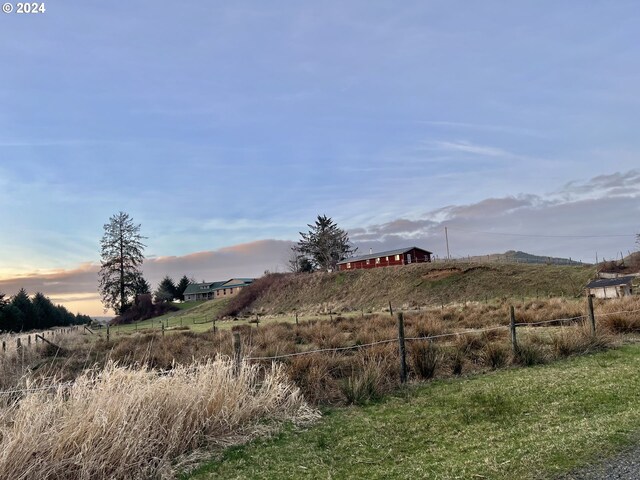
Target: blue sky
x=222, y=123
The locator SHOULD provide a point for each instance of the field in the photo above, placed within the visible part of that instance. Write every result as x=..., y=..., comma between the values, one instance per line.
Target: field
x=333, y=360
x=529, y=423
x=420, y=285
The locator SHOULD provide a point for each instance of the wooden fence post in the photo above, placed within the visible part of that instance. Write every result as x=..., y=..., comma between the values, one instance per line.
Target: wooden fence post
x=162, y=327
x=29, y=340
x=403, y=351
x=296, y=318
x=237, y=353
x=4, y=346
x=108, y=332
x=514, y=340
x=18, y=343
x=390, y=308
x=592, y=316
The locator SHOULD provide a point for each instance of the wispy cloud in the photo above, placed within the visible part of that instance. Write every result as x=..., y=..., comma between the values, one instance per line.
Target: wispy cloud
x=555, y=224
x=486, y=127
x=472, y=148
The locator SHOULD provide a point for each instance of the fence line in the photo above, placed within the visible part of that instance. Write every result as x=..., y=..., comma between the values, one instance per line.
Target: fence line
x=431, y=337
x=320, y=350
x=616, y=313
x=557, y=320
x=455, y=334
x=354, y=347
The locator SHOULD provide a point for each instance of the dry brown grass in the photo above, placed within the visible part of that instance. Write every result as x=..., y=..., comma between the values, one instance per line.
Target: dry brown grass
x=617, y=322
x=406, y=286
x=321, y=376
x=126, y=423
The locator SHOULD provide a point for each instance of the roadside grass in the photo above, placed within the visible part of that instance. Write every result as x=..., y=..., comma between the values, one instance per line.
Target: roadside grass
x=131, y=423
x=526, y=423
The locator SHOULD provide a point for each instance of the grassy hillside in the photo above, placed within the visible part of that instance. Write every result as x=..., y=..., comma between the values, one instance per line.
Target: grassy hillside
x=195, y=315
x=513, y=256
x=407, y=286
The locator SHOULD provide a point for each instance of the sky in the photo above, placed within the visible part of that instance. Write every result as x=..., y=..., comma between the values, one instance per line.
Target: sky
x=224, y=128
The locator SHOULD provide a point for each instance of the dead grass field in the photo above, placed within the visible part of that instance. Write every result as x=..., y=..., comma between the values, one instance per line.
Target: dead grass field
x=408, y=286
x=353, y=375
x=109, y=407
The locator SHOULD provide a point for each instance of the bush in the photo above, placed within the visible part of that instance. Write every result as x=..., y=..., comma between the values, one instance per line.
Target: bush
x=143, y=309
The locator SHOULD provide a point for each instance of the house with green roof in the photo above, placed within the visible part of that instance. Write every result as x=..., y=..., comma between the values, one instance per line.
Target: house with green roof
x=211, y=290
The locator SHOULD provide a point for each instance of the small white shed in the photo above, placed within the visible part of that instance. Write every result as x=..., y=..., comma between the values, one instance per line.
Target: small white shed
x=611, y=287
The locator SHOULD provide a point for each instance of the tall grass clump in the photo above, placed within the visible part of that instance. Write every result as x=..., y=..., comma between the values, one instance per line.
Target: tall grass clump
x=611, y=314
x=362, y=386
x=126, y=423
x=579, y=341
x=424, y=358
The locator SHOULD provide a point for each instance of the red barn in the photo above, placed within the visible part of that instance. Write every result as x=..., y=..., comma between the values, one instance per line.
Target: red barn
x=401, y=256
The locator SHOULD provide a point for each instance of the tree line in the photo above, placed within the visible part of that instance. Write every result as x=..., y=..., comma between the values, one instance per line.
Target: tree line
x=21, y=313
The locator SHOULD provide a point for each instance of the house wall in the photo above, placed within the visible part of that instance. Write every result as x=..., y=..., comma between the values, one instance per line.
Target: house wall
x=224, y=292
x=611, y=292
x=417, y=256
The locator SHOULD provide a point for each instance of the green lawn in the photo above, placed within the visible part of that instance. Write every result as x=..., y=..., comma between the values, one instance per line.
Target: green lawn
x=524, y=423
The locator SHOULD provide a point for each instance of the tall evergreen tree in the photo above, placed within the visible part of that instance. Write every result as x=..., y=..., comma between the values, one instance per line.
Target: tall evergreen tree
x=141, y=286
x=325, y=244
x=166, y=290
x=22, y=302
x=181, y=287
x=121, y=260
x=12, y=319
x=45, y=313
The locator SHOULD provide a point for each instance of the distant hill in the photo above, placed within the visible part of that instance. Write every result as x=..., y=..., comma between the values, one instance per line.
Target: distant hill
x=513, y=256
x=410, y=285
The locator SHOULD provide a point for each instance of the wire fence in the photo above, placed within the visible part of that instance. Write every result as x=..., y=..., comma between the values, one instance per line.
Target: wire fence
x=439, y=336
x=400, y=339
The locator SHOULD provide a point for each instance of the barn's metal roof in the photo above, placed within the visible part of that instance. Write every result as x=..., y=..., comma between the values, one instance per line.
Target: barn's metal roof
x=610, y=282
x=388, y=253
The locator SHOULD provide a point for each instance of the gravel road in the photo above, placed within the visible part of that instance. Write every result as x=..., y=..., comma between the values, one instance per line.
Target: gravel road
x=624, y=466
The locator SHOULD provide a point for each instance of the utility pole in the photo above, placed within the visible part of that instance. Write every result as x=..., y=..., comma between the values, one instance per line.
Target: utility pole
x=446, y=235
